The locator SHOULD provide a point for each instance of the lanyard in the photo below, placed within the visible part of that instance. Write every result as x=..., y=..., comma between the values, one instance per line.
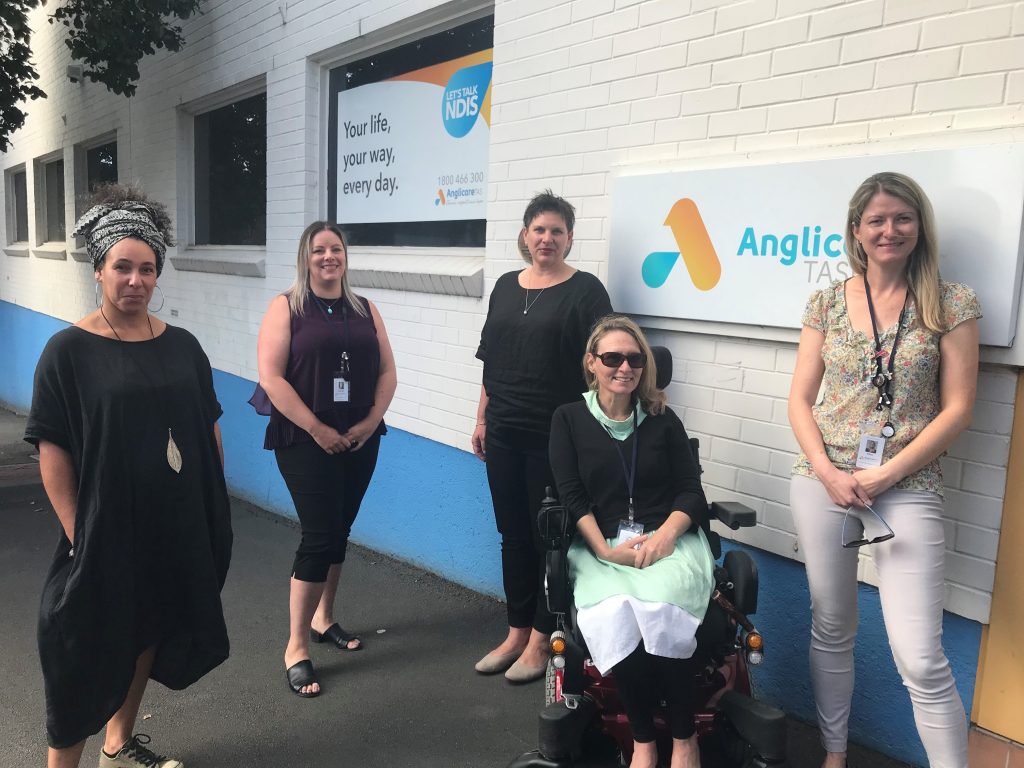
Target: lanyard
x=344, y=319
x=882, y=380
x=630, y=471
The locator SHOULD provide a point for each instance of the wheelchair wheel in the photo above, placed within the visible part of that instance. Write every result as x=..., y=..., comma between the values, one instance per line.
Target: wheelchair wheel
x=550, y=685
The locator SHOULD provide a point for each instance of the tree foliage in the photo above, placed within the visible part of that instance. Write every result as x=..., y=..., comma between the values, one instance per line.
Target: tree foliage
x=17, y=75
x=108, y=37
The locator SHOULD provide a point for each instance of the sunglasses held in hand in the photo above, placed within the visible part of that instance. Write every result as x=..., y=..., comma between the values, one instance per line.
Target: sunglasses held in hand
x=861, y=542
x=614, y=359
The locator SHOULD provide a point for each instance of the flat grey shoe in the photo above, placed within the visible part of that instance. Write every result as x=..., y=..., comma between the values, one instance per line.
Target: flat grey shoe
x=135, y=754
x=524, y=673
x=493, y=663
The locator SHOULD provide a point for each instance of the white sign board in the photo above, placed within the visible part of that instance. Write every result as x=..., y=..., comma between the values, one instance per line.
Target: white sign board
x=748, y=245
x=414, y=148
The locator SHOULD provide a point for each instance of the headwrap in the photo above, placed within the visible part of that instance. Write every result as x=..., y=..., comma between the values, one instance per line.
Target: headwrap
x=105, y=225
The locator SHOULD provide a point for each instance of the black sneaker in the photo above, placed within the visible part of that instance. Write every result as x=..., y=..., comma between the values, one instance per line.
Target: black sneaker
x=135, y=754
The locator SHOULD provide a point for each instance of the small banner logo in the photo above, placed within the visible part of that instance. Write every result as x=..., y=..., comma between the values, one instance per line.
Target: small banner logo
x=463, y=98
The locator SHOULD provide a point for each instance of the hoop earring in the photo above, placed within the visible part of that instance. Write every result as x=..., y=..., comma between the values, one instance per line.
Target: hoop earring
x=96, y=293
x=163, y=300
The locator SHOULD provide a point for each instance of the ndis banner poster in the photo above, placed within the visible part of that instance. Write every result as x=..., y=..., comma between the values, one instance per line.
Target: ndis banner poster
x=748, y=245
x=414, y=148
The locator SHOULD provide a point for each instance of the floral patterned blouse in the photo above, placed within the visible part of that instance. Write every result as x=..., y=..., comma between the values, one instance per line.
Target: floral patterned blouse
x=848, y=398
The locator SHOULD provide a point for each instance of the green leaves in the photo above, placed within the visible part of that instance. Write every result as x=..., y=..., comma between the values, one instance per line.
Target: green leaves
x=17, y=75
x=109, y=37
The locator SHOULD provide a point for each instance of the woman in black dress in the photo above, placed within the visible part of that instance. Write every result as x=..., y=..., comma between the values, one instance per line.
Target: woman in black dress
x=326, y=365
x=124, y=414
x=536, y=331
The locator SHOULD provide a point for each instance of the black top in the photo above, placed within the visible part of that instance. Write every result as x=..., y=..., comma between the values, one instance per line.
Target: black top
x=590, y=477
x=533, y=362
x=314, y=355
x=151, y=546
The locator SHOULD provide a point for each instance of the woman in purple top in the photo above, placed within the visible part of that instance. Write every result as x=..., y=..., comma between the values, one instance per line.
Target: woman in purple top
x=326, y=365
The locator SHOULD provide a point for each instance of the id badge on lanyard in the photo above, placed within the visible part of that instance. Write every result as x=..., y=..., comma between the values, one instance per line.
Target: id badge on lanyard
x=628, y=527
x=341, y=381
x=872, y=434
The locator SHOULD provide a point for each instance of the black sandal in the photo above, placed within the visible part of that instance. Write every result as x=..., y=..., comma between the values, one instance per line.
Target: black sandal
x=335, y=634
x=301, y=675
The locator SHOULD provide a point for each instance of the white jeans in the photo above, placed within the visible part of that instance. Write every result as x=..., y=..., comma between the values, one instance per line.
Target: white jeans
x=910, y=573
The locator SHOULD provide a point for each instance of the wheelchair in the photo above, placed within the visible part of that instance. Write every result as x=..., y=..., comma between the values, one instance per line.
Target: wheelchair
x=582, y=707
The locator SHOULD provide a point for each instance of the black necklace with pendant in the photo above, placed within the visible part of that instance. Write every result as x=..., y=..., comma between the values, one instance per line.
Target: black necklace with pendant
x=173, y=454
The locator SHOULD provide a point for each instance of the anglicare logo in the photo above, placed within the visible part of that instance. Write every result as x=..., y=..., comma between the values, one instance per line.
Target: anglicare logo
x=695, y=247
x=440, y=199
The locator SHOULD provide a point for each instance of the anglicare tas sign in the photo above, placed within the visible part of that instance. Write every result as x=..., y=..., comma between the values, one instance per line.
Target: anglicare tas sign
x=748, y=245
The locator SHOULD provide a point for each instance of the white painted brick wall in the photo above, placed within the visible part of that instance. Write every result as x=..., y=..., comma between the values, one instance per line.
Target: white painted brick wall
x=796, y=74
x=583, y=90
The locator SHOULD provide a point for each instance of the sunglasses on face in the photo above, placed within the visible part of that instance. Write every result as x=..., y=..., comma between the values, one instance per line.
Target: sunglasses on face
x=614, y=359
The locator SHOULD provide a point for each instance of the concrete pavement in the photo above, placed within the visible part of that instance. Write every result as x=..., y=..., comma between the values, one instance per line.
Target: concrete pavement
x=410, y=698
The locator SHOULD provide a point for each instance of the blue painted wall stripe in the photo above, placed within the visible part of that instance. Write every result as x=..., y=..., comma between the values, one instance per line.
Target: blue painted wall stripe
x=882, y=717
x=429, y=505
x=24, y=335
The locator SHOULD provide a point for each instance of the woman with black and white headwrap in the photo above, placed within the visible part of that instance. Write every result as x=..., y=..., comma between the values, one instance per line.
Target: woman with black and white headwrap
x=124, y=414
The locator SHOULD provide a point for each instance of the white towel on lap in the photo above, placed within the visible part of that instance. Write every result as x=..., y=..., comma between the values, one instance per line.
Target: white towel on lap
x=614, y=627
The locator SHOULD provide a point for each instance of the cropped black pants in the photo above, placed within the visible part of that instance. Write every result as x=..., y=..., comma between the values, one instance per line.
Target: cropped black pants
x=327, y=490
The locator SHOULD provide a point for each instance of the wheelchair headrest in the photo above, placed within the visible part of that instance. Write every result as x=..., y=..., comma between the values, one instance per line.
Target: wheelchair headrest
x=662, y=359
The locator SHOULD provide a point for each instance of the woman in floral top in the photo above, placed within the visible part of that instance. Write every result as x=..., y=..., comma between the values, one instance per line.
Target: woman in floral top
x=896, y=348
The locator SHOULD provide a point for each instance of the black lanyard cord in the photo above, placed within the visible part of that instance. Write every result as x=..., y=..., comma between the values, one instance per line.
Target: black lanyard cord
x=344, y=319
x=883, y=381
x=628, y=471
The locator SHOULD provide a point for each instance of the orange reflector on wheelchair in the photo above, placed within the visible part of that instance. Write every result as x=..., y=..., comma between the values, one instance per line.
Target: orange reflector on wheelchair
x=754, y=641
x=558, y=645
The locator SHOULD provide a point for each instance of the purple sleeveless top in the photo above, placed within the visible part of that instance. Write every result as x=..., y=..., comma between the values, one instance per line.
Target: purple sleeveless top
x=318, y=339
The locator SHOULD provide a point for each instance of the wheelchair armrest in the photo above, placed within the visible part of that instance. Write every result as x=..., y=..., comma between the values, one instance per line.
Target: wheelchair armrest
x=734, y=514
x=556, y=581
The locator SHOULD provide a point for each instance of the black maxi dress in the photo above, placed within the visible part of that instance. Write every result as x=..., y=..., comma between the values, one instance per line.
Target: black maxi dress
x=152, y=546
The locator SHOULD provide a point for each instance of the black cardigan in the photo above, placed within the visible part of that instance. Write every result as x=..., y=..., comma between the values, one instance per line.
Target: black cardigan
x=590, y=477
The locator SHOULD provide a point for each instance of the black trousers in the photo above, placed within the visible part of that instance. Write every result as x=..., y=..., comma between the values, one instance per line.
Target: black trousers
x=518, y=471
x=327, y=490
x=643, y=679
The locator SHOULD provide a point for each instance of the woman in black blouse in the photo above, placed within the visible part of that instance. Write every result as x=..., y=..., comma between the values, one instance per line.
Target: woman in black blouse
x=326, y=366
x=536, y=329
x=641, y=566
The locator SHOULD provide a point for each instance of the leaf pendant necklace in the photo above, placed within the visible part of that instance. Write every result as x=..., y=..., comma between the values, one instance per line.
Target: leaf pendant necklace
x=173, y=454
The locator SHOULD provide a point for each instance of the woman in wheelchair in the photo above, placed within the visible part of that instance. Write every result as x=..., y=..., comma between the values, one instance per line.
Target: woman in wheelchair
x=642, y=569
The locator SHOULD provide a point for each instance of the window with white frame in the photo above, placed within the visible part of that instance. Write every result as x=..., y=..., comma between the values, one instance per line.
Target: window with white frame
x=230, y=173
x=100, y=166
x=408, y=132
x=50, y=223
x=95, y=165
x=17, y=205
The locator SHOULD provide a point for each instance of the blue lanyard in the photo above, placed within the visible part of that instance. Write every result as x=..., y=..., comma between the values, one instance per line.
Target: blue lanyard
x=628, y=471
